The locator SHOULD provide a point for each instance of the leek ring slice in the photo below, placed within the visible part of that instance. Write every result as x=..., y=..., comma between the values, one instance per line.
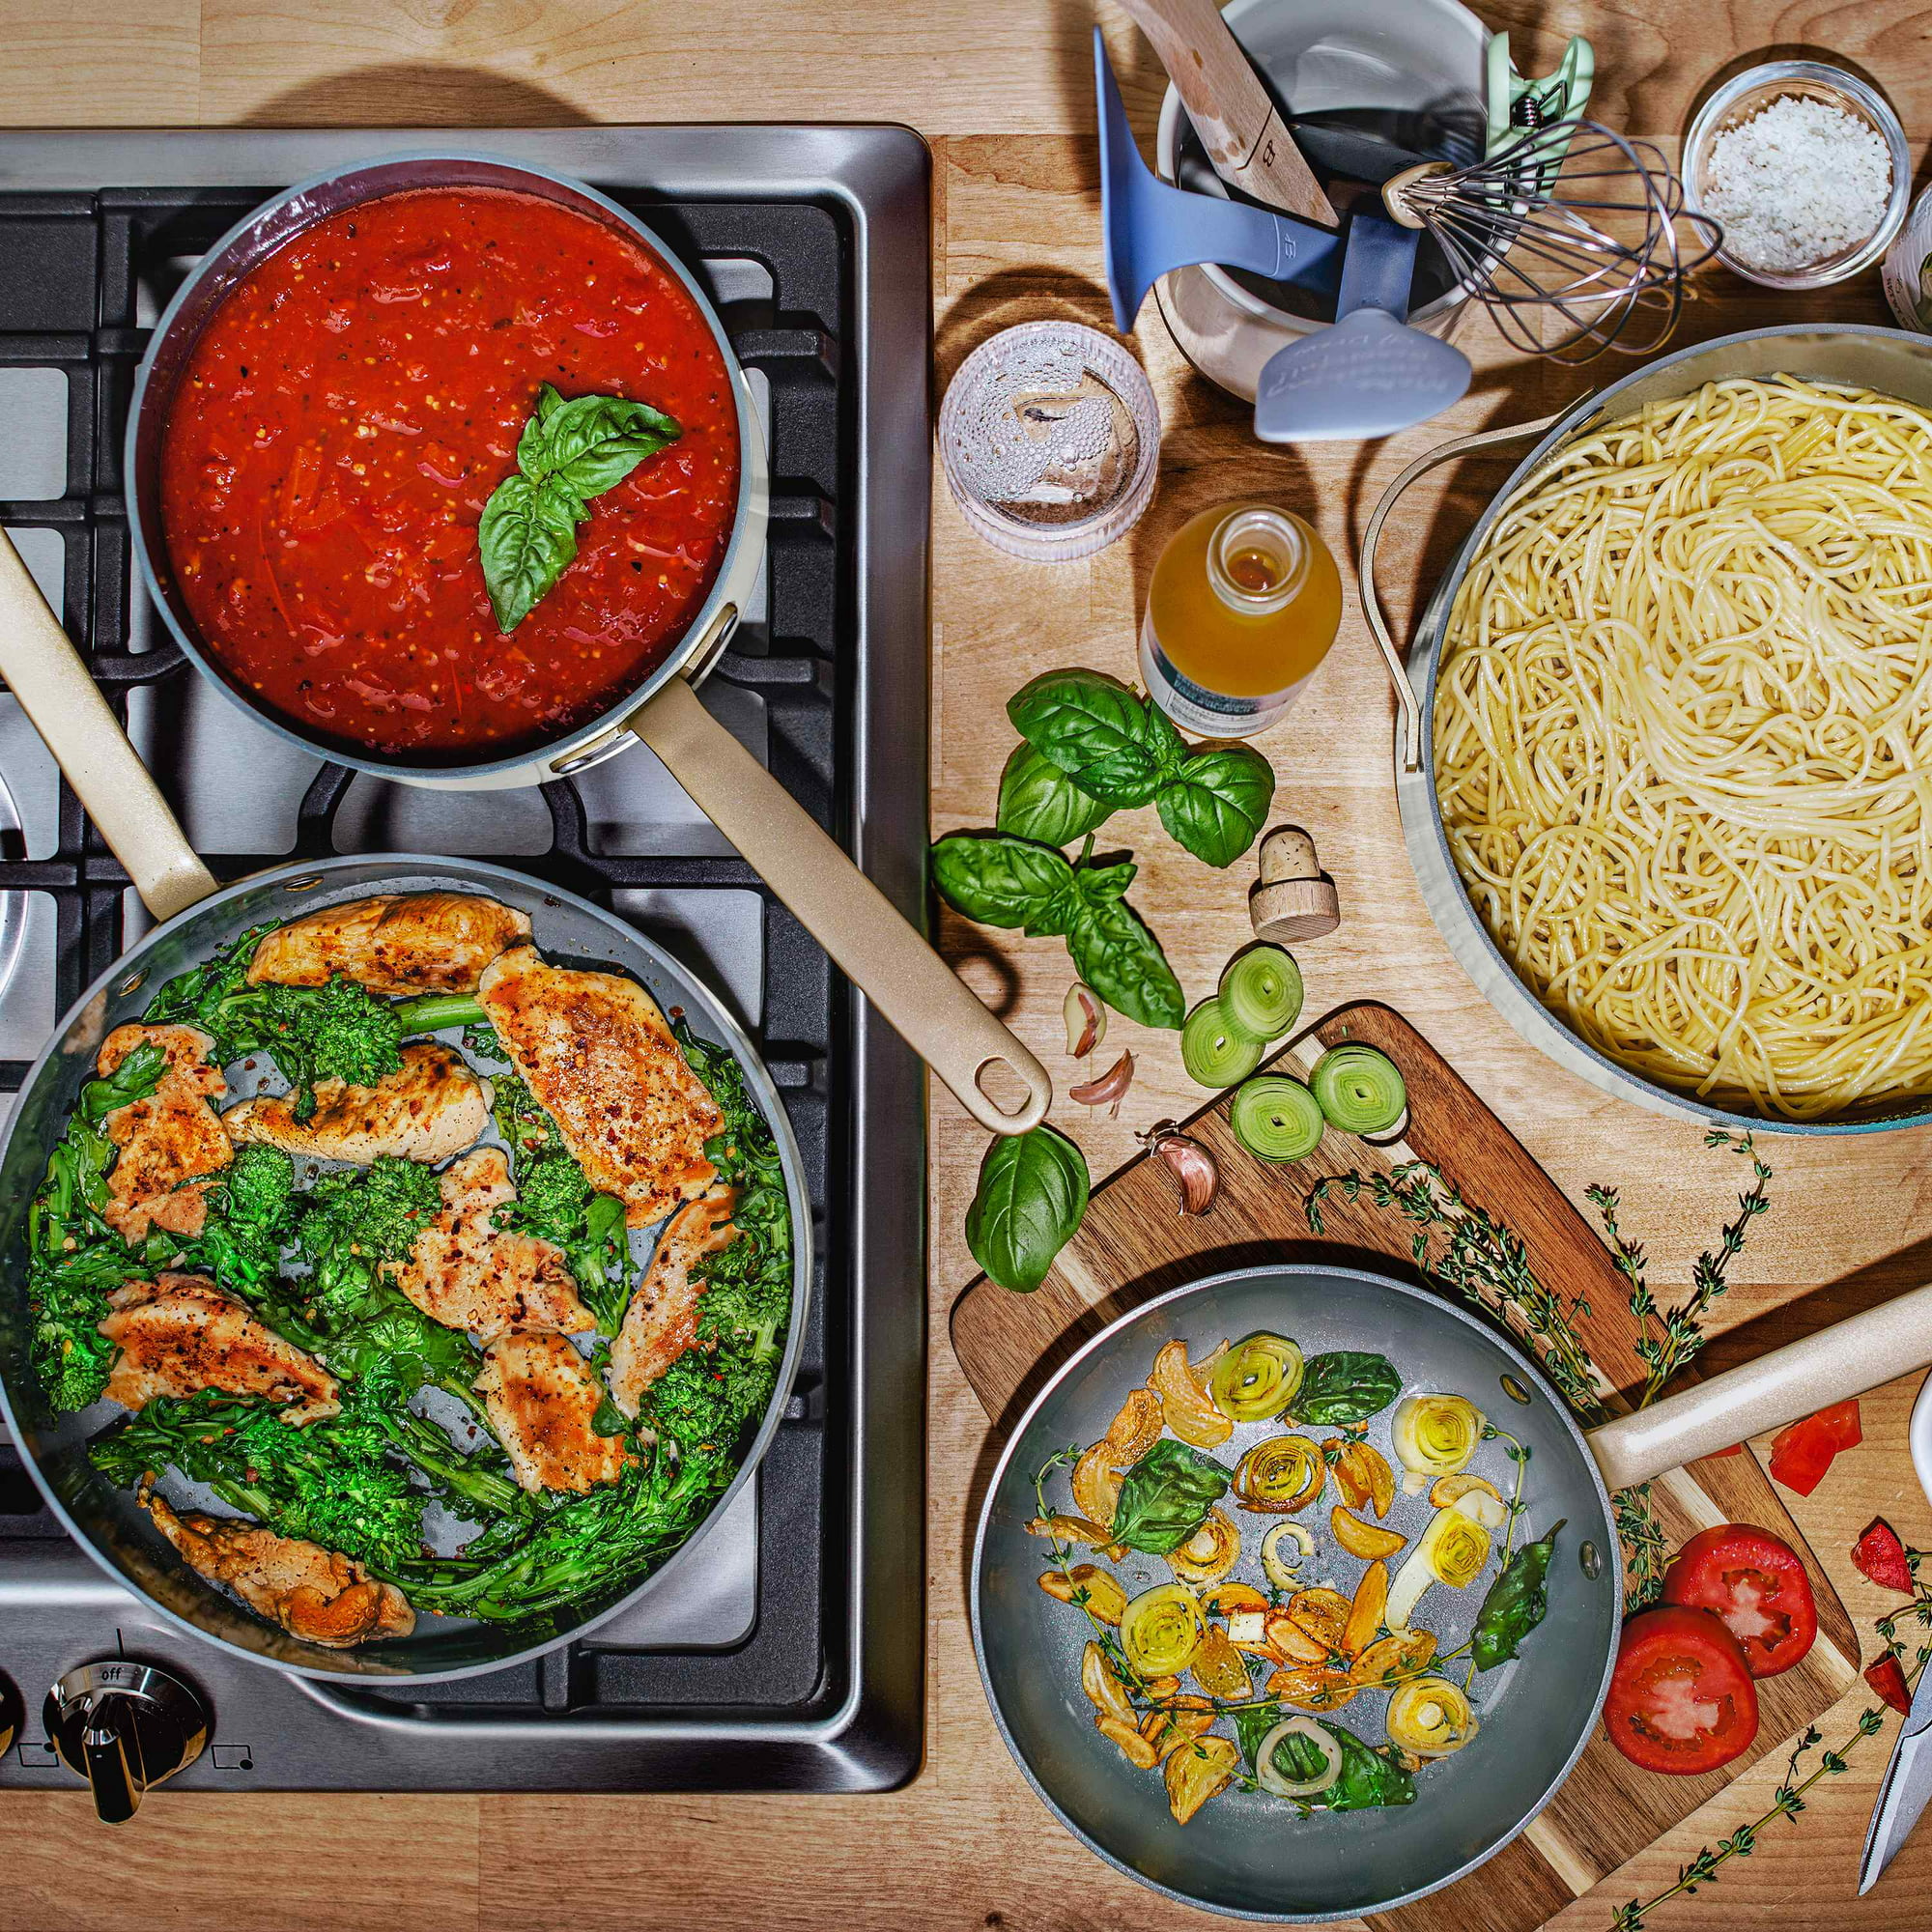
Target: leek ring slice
x=1214, y=1053
x=1360, y=1090
x=1261, y=991
x=1160, y=1630
x=1256, y=1379
x=1277, y=1119
x=1437, y=1434
x=1431, y=1717
x=1282, y=1474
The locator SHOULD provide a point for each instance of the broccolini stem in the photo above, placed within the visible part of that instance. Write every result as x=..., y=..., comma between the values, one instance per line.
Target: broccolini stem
x=435, y=1011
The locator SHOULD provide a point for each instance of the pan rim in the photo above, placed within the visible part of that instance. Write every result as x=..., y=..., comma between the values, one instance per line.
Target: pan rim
x=729, y=1033
x=748, y=517
x=1558, y=1041
x=1365, y=1277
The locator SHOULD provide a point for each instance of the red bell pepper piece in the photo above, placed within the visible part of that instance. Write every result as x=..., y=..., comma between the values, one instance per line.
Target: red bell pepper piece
x=1880, y=1555
x=1888, y=1678
x=1801, y=1455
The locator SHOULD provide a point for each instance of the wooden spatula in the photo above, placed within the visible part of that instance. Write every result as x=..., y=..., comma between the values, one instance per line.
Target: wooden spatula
x=1238, y=123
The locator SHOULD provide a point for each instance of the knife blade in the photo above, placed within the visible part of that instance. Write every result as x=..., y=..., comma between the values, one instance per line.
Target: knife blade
x=1907, y=1786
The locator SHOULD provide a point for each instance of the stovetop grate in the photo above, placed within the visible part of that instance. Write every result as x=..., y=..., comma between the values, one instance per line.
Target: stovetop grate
x=87, y=273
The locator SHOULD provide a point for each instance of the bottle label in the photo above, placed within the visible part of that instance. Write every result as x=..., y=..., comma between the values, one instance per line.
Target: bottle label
x=1208, y=714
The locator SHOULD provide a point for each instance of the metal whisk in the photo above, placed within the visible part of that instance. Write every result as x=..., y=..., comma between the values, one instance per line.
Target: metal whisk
x=1572, y=218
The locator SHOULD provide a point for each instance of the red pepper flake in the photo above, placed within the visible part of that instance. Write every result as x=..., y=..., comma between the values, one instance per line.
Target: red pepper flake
x=1880, y=1555
x=1801, y=1455
x=1888, y=1678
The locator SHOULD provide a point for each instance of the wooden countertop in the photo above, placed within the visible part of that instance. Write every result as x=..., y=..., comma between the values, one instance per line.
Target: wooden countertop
x=1001, y=88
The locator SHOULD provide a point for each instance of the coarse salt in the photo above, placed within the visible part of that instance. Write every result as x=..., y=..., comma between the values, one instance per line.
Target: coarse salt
x=1800, y=182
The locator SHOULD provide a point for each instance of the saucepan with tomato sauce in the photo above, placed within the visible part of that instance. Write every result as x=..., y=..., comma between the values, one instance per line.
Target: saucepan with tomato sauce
x=1675, y=1679
x=443, y=468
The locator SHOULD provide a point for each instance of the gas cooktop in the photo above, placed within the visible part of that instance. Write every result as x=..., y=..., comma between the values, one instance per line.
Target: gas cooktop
x=793, y=1656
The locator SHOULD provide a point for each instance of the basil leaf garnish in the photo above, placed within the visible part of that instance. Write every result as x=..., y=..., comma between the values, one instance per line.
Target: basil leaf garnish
x=1348, y=1385
x=1030, y=1201
x=570, y=450
x=1165, y=1497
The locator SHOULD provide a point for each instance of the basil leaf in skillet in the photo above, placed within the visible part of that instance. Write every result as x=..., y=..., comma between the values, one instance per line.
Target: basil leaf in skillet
x=1216, y=802
x=1367, y=1780
x=1030, y=1201
x=1165, y=1497
x=1252, y=1723
x=1516, y=1603
x=1038, y=801
x=570, y=451
x=1350, y=1386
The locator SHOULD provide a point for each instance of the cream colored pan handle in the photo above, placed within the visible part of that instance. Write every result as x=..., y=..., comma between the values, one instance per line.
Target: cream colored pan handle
x=44, y=671
x=938, y=1015
x=1845, y=1359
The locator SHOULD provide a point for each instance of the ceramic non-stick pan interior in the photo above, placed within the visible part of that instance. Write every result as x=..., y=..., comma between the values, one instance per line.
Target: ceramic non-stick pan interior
x=571, y=931
x=1246, y=1854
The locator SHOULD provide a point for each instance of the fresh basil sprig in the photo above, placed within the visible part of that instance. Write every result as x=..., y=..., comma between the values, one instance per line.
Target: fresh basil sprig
x=569, y=452
x=1122, y=750
x=1517, y=1600
x=1001, y=880
x=1030, y=1201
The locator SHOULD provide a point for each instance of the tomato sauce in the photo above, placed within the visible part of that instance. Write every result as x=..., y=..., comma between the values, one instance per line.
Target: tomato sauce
x=345, y=417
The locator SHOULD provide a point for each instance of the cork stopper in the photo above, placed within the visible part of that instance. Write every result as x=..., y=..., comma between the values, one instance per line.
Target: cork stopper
x=1294, y=899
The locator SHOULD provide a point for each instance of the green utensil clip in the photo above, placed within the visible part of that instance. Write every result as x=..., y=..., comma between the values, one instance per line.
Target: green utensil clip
x=1516, y=105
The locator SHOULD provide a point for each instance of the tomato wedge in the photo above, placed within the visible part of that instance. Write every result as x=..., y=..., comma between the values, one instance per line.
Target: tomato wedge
x=1682, y=1700
x=1801, y=1455
x=1756, y=1585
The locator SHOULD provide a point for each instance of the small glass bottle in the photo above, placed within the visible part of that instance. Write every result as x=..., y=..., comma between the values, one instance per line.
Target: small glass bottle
x=1244, y=603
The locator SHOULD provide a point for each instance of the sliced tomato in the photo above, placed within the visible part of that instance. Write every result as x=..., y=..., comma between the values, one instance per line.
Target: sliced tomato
x=1880, y=1555
x=1888, y=1678
x=1801, y=1455
x=1680, y=1700
x=1758, y=1585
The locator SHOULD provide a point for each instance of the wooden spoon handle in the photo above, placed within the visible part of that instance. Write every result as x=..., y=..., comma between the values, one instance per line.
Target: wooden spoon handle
x=1238, y=122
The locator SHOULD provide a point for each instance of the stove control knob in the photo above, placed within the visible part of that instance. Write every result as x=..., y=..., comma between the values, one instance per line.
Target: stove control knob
x=124, y=1727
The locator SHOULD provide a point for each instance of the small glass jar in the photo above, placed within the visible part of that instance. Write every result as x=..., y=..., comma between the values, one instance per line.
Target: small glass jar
x=1244, y=603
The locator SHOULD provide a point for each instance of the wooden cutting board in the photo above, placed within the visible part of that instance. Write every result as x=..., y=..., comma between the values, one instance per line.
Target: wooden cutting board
x=1134, y=1245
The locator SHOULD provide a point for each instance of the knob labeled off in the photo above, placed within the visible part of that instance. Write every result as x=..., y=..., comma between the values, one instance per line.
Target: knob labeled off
x=1294, y=898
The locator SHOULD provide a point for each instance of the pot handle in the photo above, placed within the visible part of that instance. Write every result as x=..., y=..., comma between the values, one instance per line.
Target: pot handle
x=1372, y=604
x=45, y=673
x=1846, y=1359
x=933, y=1010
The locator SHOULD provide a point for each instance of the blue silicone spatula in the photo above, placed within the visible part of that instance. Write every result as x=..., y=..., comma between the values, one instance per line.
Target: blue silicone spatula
x=1150, y=229
x=1368, y=373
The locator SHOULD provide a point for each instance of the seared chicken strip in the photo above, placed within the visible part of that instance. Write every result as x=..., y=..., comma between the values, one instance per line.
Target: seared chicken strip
x=313, y=1593
x=661, y=1320
x=168, y=1140
x=432, y=1107
x=599, y=1056
x=179, y=1333
x=467, y=1273
x=541, y=1396
x=406, y=943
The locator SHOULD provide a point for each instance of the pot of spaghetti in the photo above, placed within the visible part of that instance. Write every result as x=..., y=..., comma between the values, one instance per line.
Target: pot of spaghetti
x=1665, y=743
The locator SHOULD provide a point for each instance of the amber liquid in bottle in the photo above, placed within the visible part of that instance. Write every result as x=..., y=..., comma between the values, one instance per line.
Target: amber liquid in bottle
x=1244, y=603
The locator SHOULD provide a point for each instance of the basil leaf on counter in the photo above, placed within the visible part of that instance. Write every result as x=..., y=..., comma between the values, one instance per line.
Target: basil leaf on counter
x=1030, y=1201
x=1348, y=1385
x=1165, y=1497
x=1216, y=802
x=1092, y=727
x=1038, y=801
x=1516, y=1603
x=1121, y=961
x=569, y=452
x=1001, y=880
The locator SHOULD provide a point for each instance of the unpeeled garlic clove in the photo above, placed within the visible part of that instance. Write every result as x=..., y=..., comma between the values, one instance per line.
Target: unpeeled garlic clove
x=1197, y=1178
x=1112, y=1086
x=1086, y=1020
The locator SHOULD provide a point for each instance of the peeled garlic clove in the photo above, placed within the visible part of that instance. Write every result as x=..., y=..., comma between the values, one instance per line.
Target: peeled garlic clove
x=1112, y=1086
x=1196, y=1180
x=1086, y=1020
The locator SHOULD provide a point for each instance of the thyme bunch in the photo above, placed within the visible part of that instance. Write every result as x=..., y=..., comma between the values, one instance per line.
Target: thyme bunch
x=1788, y=1799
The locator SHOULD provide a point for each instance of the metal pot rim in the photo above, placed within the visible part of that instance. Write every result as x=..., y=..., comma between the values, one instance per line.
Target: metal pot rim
x=709, y=624
x=1365, y=1278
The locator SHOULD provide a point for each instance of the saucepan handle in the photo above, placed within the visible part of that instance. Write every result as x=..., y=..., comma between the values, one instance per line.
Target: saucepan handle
x=934, y=1010
x=1845, y=1359
x=44, y=671
x=1372, y=603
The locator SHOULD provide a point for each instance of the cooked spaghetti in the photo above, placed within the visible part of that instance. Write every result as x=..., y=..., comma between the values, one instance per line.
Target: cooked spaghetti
x=1683, y=744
